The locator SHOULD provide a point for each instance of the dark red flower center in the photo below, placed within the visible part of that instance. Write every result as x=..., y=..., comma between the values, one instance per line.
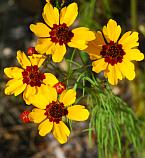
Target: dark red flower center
x=32, y=76
x=61, y=34
x=112, y=52
x=55, y=111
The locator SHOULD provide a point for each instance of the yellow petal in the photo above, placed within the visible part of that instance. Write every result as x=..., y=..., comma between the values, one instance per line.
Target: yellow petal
x=62, y=13
x=20, y=89
x=45, y=127
x=50, y=79
x=126, y=35
x=50, y=15
x=83, y=33
x=80, y=44
x=37, y=59
x=69, y=14
x=29, y=91
x=44, y=45
x=81, y=37
x=37, y=115
x=13, y=72
x=77, y=113
x=130, y=41
x=14, y=86
x=112, y=31
x=61, y=132
x=68, y=97
x=43, y=97
x=40, y=29
x=94, y=47
x=22, y=59
x=127, y=69
x=133, y=54
x=99, y=65
x=113, y=74
x=58, y=53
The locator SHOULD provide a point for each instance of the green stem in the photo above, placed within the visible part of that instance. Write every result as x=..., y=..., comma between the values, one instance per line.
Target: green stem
x=134, y=14
x=79, y=78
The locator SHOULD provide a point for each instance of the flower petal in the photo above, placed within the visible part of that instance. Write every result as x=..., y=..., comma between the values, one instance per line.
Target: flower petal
x=77, y=113
x=129, y=41
x=126, y=35
x=20, y=89
x=68, y=97
x=43, y=97
x=113, y=74
x=133, y=54
x=81, y=37
x=45, y=127
x=29, y=91
x=22, y=59
x=112, y=31
x=44, y=45
x=80, y=44
x=99, y=65
x=69, y=14
x=50, y=15
x=127, y=69
x=40, y=29
x=50, y=79
x=37, y=59
x=58, y=52
x=94, y=47
x=37, y=115
x=83, y=33
x=13, y=72
x=61, y=132
x=14, y=86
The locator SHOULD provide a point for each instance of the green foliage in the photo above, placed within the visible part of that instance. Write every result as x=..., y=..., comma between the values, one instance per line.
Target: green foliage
x=112, y=121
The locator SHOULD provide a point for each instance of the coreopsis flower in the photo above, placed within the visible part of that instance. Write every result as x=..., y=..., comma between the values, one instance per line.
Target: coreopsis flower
x=113, y=55
x=56, y=34
x=28, y=79
x=52, y=110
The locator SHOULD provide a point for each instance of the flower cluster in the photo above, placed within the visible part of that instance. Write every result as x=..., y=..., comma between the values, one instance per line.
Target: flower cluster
x=50, y=97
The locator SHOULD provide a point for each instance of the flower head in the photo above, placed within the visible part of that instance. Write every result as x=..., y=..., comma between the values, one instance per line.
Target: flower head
x=51, y=111
x=28, y=79
x=113, y=55
x=56, y=33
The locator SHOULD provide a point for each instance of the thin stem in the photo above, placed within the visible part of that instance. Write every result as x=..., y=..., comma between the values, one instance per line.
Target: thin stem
x=134, y=14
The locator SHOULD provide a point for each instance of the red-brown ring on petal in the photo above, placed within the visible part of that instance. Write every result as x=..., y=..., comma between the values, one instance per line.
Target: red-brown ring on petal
x=112, y=53
x=60, y=87
x=55, y=111
x=33, y=76
x=24, y=116
x=61, y=34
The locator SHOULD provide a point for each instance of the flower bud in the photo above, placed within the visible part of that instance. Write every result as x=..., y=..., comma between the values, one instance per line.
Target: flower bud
x=60, y=87
x=24, y=116
x=31, y=51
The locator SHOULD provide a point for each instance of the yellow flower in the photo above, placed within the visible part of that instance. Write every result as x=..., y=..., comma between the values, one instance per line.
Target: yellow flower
x=114, y=55
x=28, y=78
x=56, y=33
x=53, y=109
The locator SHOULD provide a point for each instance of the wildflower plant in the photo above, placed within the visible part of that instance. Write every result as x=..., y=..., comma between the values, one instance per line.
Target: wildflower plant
x=54, y=101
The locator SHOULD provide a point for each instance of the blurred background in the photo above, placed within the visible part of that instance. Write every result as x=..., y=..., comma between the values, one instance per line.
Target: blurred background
x=19, y=140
